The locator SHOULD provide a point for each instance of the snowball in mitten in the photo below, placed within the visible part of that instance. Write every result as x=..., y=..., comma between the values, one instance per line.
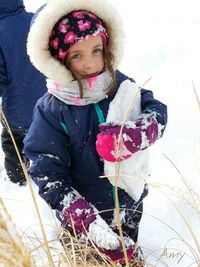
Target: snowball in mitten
x=136, y=136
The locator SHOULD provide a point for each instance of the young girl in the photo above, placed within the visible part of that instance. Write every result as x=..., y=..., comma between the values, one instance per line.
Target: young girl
x=78, y=45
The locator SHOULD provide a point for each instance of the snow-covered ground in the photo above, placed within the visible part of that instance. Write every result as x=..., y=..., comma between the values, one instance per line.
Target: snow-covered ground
x=162, y=42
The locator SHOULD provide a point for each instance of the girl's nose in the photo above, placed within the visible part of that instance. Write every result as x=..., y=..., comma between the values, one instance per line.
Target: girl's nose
x=89, y=63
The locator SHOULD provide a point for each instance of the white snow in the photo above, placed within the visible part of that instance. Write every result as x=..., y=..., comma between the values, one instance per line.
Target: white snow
x=162, y=42
x=98, y=229
x=134, y=170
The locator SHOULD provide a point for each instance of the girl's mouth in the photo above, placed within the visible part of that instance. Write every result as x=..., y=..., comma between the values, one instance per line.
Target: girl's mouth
x=90, y=75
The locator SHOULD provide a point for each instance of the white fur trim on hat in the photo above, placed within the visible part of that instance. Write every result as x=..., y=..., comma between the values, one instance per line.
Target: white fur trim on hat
x=38, y=38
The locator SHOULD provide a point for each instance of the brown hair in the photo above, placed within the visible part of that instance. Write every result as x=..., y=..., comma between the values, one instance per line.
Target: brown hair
x=109, y=61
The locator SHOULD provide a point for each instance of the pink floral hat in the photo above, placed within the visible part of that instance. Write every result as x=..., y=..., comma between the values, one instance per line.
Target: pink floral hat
x=72, y=28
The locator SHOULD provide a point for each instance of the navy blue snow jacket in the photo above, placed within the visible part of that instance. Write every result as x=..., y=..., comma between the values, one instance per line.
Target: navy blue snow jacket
x=20, y=83
x=61, y=144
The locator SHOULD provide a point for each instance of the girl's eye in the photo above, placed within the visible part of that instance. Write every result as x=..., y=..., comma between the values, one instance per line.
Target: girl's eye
x=76, y=56
x=97, y=50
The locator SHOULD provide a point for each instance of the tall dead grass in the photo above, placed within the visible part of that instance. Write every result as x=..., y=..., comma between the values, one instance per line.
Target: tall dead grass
x=13, y=252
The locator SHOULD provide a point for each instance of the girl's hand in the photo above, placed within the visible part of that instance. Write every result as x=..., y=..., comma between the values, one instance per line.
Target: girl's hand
x=136, y=136
x=85, y=220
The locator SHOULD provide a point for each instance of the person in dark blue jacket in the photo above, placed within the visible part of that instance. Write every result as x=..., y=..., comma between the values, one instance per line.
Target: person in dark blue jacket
x=20, y=83
x=77, y=45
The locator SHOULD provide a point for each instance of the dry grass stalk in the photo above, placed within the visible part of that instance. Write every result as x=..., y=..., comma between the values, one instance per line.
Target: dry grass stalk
x=193, y=200
x=13, y=252
x=181, y=194
x=117, y=170
x=80, y=253
x=190, y=191
x=196, y=95
x=30, y=187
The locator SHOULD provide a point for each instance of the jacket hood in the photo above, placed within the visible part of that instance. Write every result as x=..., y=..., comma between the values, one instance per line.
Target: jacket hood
x=44, y=21
x=8, y=7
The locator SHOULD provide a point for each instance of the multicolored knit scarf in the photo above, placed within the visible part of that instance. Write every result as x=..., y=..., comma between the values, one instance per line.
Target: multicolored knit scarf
x=94, y=90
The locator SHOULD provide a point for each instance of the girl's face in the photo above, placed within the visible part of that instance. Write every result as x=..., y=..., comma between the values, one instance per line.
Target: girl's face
x=85, y=59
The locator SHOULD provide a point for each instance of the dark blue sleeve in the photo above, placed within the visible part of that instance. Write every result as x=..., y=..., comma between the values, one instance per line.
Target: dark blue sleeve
x=150, y=104
x=3, y=73
x=46, y=145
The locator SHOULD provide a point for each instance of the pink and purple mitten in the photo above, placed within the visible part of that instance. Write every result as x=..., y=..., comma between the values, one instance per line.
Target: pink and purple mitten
x=136, y=136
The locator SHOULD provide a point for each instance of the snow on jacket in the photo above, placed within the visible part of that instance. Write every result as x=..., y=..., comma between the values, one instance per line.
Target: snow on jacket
x=61, y=146
x=20, y=83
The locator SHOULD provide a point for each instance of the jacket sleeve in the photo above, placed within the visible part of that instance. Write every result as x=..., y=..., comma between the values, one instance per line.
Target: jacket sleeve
x=149, y=104
x=3, y=72
x=46, y=145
